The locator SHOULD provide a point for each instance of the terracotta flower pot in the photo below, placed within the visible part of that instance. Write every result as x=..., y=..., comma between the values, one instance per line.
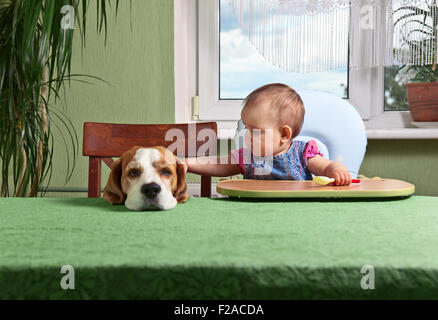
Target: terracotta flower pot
x=423, y=101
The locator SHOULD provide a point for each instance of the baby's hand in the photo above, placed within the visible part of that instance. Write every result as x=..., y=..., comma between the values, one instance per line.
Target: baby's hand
x=186, y=165
x=338, y=172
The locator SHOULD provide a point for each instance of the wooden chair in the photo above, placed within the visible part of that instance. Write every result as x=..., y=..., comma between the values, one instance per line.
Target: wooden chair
x=102, y=141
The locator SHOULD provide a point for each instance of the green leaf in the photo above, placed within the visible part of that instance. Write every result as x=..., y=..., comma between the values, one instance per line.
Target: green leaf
x=35, y=55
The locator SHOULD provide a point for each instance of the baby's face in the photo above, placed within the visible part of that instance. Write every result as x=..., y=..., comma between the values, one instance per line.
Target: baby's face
x=263, y=134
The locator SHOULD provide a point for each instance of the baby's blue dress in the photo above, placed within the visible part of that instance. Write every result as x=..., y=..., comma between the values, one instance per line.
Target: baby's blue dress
x=290, y=165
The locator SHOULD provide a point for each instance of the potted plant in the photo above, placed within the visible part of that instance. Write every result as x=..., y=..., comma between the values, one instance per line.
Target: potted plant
x=422, y=86
x=35, y=61
x=422, y=93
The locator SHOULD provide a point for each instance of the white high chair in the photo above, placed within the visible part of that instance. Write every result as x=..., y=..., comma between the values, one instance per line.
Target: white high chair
x=334, y=124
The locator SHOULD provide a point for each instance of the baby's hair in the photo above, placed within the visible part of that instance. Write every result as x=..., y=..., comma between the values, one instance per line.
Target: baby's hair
x=288, y=103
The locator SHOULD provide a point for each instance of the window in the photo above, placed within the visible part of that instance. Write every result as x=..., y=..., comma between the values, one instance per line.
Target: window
x=417, y=23
x=222, y=52
x=207, y=65
x=242, y=68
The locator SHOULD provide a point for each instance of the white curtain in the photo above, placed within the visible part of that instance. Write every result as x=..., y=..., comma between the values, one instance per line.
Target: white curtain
x=315, y=35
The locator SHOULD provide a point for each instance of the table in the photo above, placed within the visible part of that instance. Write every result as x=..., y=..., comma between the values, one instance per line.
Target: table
x=220, y=248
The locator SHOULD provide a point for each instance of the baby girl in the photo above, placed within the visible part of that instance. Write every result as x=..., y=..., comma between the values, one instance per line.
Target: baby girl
x=273, y=116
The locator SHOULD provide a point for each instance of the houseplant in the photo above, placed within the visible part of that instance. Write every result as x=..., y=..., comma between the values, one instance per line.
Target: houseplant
x=35, y=63
x=422, y=85
x=422, y=93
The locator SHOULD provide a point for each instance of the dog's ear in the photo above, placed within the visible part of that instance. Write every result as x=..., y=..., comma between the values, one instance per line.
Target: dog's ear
x=113, y=191
x=181, y=187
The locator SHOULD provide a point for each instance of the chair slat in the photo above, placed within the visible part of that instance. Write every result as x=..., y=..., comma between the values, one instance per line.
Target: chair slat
x=112, y=140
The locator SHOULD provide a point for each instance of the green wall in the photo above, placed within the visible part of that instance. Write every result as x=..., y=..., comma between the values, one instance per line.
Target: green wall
x=139, y=65
x=415, y=161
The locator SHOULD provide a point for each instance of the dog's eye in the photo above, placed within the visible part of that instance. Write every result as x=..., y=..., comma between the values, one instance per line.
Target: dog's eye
x=133, y=173
x=165, y=172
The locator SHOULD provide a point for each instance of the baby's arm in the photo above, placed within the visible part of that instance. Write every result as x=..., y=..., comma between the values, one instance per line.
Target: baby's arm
x=320, y=166
x=212, y=166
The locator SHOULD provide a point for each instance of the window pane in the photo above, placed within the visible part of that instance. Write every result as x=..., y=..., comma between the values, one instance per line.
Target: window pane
x=413, y=29
x=395, y=92
x=243, y=69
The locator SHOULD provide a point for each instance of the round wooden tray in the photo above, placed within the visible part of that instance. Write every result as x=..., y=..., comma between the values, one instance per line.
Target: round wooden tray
x=372, y=188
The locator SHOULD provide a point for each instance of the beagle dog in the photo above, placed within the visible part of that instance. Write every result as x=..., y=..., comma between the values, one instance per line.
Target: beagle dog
x=147, y=178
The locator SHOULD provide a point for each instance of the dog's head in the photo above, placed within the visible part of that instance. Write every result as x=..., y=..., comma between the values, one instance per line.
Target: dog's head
x=147, y=178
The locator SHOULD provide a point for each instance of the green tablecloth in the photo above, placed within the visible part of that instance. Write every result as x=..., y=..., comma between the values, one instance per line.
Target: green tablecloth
x=219, y=248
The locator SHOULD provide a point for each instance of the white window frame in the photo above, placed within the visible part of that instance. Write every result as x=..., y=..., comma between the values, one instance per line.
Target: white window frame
x=196, y=34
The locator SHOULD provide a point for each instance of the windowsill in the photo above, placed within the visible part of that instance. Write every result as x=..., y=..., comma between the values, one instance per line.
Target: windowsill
x=402, y=133
x=227, y=129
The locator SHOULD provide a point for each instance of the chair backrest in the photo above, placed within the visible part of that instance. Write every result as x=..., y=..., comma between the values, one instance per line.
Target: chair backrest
x=336, y=126
x=102, y=141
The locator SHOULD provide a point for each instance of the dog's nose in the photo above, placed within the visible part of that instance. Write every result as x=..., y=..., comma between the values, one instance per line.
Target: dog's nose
x=150, y=190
